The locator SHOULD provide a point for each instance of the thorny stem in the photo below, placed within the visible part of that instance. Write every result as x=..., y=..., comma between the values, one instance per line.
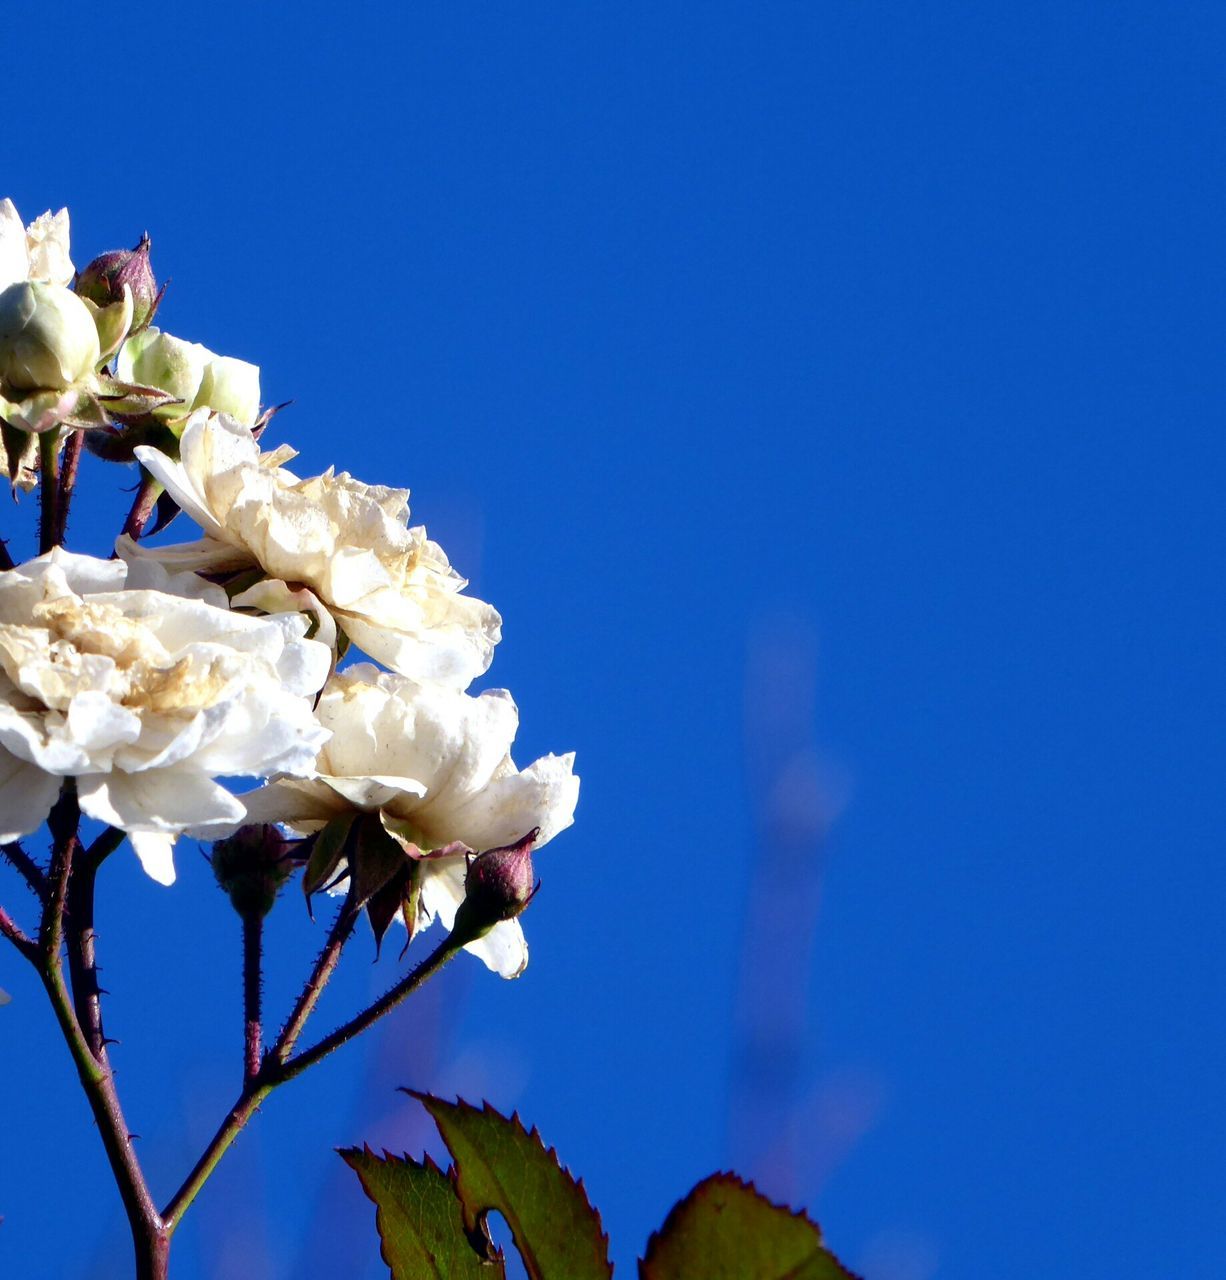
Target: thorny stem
x=29, y=870
x=68, y=477
x=68, y=914
x=253, y=981
x=275, y=1073
x=368, y=1017
x=48, y=490
x=325, y=966
x=10, y=929
x=151, y=1240
x=142, y=505
x=82, y=963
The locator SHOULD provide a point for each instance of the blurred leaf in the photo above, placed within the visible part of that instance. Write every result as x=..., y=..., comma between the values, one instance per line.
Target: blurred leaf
x=499, y=1166
x=725, y=1230
x=421, y=1225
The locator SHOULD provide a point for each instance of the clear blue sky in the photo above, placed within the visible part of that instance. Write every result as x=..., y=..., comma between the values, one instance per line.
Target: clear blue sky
x=830, y=395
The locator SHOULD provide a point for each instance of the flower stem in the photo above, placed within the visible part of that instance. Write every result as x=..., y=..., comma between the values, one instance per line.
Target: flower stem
x=48, y=489
x=142, y=505
x=325, y=966
x=253, y=981
x=29, y=870
x=151, y=1240
x=355, y=1026
x=275, y=1073
x=69, y=464
x=10, y=929
x=82, y=962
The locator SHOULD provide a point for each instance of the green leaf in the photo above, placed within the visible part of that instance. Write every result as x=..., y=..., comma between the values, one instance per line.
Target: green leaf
x=725, y=1230
x=499, y=1166
x=420, y=1222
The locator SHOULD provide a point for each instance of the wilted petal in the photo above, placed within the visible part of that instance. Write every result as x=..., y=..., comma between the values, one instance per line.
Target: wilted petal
x=47, y=244
x=145, y=694
x=389, y=588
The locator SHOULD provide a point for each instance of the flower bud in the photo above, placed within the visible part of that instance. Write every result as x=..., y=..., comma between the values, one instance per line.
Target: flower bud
x=251, y=866
x=48, y=339
x=498, y=886
x=191, y=373
x=102, y=282
x=230, y=386
x=157, y=359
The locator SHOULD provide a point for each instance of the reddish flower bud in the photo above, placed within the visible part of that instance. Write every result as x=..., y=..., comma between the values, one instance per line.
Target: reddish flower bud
x=498, y=886
x=251, y=866
x=102, y=282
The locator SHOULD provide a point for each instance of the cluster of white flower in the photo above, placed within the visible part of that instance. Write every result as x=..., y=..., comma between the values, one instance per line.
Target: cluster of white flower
x=149, y=676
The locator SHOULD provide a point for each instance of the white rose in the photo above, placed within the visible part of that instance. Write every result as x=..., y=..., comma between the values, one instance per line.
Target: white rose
x=37, y=252
x=191, y=373
x=144, y=688
x=389, y=588
x=435, y=764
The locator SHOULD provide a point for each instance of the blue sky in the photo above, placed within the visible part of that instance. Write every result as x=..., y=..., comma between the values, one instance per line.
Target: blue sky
x=830, y=398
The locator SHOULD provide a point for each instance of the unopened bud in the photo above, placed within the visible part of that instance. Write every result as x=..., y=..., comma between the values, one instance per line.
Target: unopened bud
x=48, y=339
x=102, y=282
x=157, y=359
x=192, y=374
x=251, y=866
x=498, y=886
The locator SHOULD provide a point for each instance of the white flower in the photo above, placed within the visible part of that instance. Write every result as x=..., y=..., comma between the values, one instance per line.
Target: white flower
x=435, y=764
x=191, y=373
x=37, y=252
x=390, y=589
x=144, y=688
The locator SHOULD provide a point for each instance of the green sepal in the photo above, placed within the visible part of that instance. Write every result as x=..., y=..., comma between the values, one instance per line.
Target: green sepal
x=327, y=850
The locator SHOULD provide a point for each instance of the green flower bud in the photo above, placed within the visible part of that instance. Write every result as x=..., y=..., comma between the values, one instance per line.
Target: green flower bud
x=102, y=282
x=191, y=373
x=48, y=340
x=230, y=386
x=156, y=359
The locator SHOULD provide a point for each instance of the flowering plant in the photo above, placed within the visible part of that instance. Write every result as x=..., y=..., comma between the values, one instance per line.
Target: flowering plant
x=130, y=687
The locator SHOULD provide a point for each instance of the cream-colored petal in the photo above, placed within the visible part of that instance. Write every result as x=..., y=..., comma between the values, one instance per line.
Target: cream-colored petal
x=14, y=256
x=26, y=796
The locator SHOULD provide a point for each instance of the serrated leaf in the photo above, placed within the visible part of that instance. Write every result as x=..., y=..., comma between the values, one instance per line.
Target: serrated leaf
x=420, y=1221
x=500, y=1166
x=726, y=1230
